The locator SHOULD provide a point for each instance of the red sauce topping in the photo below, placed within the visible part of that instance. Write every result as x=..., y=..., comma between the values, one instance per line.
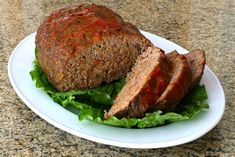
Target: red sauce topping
x=83, y=25
x=154, y=88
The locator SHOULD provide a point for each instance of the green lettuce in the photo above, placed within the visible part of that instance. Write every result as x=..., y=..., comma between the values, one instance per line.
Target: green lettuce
x=91, y=104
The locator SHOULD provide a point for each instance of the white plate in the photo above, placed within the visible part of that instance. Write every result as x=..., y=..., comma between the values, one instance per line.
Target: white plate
x=20, y=64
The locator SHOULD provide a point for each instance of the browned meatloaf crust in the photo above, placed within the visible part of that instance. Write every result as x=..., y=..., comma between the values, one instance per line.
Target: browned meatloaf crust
x=197, y=61
x=82, y=46
x=179, y=83
x=145, y=83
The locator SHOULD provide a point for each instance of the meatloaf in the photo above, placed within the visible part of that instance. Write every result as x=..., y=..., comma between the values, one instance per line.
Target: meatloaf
x=178, y=87
x=197, y=61
x=158, y=82
x=145, y=83
x=82, y=46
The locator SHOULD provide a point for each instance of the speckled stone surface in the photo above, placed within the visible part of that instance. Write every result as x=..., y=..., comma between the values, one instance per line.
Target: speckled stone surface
x=209, y=25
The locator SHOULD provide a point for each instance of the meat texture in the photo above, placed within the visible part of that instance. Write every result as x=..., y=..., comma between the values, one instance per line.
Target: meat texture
x=145, y=83
x=197, y=61
x=82, y=46
x=178, y=85
x=158, y=82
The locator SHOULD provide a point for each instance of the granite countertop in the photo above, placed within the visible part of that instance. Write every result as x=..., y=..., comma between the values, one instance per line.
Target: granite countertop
x=208, y=25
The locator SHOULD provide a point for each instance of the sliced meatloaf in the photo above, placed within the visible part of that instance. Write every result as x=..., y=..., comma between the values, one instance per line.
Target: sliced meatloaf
x=145, y=83
x=197, y=61
x=179, y=83
x=82, y=46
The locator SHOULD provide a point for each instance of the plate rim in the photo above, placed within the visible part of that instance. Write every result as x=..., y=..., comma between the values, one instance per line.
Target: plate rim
x=102, y=140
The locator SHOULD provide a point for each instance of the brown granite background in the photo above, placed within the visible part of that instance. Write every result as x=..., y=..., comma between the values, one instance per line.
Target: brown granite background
x=209, y=25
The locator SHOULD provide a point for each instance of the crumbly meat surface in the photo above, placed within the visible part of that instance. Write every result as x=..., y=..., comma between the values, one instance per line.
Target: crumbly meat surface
x=197, y=61
x=178, y=85
x=145, y=83
x=82, y=46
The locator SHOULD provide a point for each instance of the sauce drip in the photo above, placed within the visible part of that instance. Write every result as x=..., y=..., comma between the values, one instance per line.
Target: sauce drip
x=154, y=88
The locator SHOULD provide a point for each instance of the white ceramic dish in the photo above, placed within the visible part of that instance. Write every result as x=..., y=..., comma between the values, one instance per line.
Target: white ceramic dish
x=20, y=64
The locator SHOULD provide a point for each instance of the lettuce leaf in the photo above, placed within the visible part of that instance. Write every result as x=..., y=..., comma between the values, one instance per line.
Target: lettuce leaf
x=91, y=104
x=40, y=78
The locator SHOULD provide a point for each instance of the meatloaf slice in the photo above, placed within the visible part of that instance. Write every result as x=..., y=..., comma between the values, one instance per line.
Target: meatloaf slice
x=82, y=46
x=179, y=83
x=145, y=83
x=197, y=61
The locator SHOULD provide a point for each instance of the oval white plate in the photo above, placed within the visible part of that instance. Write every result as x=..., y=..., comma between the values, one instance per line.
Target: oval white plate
x=20, y=64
